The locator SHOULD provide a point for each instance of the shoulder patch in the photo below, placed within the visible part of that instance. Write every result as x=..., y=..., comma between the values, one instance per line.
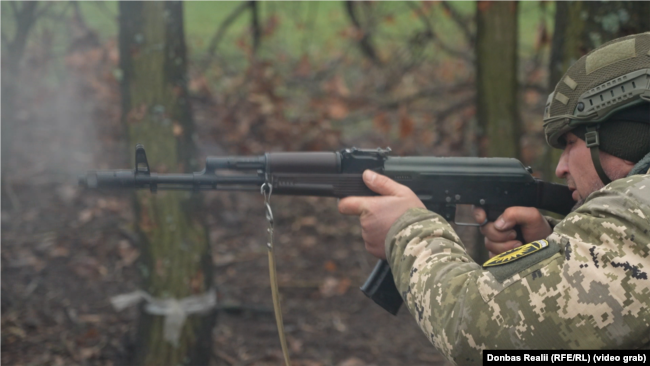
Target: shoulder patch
x=517, y=253
x=507, y=264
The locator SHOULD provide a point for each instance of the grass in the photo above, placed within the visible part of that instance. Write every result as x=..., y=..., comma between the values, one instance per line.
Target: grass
x=316, y=29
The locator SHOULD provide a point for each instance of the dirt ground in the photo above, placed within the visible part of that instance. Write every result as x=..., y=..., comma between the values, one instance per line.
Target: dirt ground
x=67, y=251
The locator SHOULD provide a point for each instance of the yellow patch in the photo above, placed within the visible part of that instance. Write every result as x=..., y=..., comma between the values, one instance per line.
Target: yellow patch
x=514, y=254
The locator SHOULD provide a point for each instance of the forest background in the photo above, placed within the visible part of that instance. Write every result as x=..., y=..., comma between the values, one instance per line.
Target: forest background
x=421, y=77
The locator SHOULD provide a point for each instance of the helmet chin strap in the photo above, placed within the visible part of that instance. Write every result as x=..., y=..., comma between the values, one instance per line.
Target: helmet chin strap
x=592, y=141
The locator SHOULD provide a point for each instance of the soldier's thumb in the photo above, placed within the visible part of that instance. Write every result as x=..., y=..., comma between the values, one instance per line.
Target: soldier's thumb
x=506, y=221
x=381, y=183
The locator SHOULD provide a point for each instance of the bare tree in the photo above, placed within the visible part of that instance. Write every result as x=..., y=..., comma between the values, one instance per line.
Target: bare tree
x=177, y=262
x=256, y=32
x=496, y=70
x=497, y=85
x=365, y=36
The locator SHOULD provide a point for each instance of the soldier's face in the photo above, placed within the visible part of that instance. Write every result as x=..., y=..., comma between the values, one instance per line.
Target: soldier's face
x=576, y=167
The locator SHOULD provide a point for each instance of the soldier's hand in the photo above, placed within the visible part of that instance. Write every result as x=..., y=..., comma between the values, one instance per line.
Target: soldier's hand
x=377, y=214
x=500, y=235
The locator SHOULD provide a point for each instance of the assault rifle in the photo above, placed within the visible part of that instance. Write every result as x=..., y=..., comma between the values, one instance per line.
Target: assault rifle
x=440, y=182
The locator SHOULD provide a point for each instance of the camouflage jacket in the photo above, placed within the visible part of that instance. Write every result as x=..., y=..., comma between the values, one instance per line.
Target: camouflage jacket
x=586, y=286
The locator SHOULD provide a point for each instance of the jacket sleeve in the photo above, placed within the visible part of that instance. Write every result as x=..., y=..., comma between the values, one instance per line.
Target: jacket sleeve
x=588, y=288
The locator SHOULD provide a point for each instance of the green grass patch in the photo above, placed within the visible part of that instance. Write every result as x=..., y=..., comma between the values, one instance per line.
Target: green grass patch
x=319, y=30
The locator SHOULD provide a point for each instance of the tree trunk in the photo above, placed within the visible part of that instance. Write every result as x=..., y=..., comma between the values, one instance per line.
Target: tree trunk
x=156, y=112
x=496, y=55
x=7, y=114
x=579, y=28
x=496, y=78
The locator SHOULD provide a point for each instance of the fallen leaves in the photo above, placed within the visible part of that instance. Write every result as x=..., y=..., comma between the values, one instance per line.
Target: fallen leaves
x=353, y=361
x=177, y=129
x=406, y=124
x=127, y=253
x=18, y=332
x=86, y=215
x=59, y=251
x=382, y=123
x=224, y=260
x=89, y=337
x=90, y=318
x=24, y=258
x=67, y=193
x=337, y=86
x=338, y=323
x=332, y=286
x=88, y=353
x=137, y=114
x=337, y=109
x=330, y=266
x=161, y=267
x=304, y=66
x=308, y=221
x=199, y=86
x=197, y=283
x=88, y=267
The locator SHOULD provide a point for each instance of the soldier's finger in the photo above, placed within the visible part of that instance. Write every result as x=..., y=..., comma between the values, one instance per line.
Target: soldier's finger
x=504, y=222
x=382, y=184
x=492, y=234
x=517, y=216
x=480, y=216
x=352, y=205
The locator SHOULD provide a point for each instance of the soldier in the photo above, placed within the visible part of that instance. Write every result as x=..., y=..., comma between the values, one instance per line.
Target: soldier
x=580, y=283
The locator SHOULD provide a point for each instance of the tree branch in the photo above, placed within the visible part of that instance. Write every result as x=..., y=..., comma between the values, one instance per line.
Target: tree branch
x=102, y=6
x=534, y=87
x=14, y=7
x=364, y=43
x=431, y=92
x=431, y=34
x=255, y=24
x=25, y=20
x=536, y=62
x=221, y=32
x=461, y=22
x=456, y=107
x=312, y=13
x=44, y=9
x=78, y=16
x=5, y=39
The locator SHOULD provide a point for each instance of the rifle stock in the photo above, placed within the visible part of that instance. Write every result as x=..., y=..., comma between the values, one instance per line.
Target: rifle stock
x=441, y=183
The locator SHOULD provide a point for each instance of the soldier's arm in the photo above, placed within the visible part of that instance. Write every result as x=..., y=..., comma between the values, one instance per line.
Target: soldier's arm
x=589, y=288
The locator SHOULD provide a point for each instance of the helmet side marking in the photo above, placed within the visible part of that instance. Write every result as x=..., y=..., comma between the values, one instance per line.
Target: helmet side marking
x=570, y=82
x=611, y=54
x=561, y=98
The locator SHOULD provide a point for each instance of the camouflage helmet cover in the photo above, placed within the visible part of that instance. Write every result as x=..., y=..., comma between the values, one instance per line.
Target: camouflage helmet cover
x=610, y=78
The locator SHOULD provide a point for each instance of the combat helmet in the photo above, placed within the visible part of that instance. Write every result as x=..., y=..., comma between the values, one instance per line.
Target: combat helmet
x=608, y=80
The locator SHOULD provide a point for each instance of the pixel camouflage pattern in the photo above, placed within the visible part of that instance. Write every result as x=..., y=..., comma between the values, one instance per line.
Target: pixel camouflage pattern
x=593, y=293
